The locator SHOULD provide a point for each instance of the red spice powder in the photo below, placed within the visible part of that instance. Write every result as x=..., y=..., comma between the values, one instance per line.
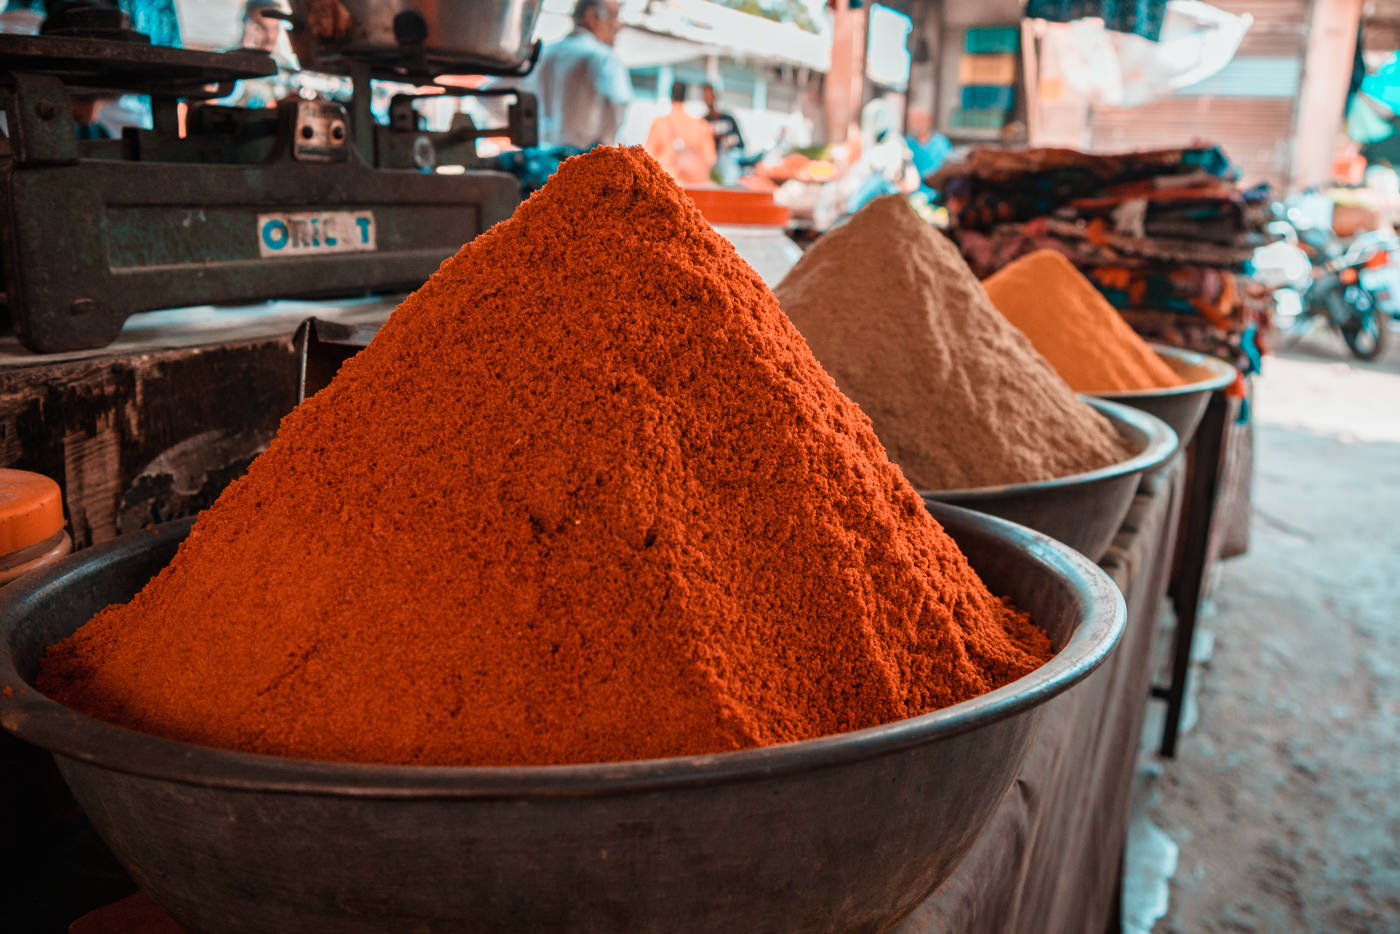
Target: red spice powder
x=588, y=496
x=135, y=914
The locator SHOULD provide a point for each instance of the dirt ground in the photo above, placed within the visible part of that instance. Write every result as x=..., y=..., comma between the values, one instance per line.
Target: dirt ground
x=1284, y=800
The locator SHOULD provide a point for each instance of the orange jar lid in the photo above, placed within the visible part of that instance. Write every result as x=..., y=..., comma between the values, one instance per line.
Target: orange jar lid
x=738, y=206
x=31, y=509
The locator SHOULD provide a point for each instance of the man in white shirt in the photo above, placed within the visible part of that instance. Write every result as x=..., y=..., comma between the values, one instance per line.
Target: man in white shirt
x=582, y=86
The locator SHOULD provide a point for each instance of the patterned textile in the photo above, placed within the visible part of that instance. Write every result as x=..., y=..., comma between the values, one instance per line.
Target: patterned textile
x=999, y=186
x=1167, y=236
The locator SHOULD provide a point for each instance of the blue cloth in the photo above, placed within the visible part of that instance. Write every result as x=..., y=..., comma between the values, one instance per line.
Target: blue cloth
x=1140, y=17
x=1384, y=83
x=156, y=18
x=532, y=166
x=930, y=156
x=873, y=187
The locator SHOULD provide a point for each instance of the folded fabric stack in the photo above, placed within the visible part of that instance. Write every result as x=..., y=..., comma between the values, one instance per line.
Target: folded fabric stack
x=1166, y=235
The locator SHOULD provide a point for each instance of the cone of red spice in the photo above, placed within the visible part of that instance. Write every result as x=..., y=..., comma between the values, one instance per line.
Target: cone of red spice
x=588, y=496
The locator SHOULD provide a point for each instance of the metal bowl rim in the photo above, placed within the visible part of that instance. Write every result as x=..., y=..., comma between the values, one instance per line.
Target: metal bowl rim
x=44, y=722
x=1223, y=374
x=1162, y=442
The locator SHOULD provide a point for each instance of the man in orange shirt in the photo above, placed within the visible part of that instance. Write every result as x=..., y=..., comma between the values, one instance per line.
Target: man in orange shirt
x=683, y=144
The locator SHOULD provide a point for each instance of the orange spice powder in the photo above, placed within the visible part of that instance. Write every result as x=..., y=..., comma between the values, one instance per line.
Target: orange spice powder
x=1074, y=327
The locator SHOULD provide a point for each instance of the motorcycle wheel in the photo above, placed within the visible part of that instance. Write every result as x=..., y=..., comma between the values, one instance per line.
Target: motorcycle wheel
x=1364, y=330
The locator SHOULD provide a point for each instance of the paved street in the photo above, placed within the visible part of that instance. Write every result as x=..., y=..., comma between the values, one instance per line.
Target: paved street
x=1285, y=799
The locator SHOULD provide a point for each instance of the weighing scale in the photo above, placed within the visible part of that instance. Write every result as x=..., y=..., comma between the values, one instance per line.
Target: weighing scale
x=221, y=204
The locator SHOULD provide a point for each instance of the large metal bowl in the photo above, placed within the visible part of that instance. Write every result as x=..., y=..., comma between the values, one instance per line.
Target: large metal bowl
x=1180, y=406
x=1083, y=510
x=844, y=833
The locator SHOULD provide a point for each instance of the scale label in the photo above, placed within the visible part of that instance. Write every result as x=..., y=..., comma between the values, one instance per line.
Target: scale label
x=308, y=232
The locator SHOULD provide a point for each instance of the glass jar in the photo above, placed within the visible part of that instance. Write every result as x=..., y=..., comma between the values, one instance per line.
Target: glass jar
x=32, y=535
x=755, y=224
x=38, y=816
x=767, y=249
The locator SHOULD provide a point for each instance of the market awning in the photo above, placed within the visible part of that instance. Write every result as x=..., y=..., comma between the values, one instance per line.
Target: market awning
x=681, y=30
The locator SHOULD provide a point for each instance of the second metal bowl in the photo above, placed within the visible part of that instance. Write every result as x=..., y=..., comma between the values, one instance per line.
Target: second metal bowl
x=1180, y=406
x=1083, y=510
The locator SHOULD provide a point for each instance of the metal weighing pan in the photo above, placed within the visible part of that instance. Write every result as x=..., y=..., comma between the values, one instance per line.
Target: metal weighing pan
x=844, y=833
x=1180, y=406
x=441, y=37
x=1082, y=510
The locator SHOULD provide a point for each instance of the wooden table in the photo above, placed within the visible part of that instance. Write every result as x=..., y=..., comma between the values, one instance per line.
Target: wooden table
x=152, y=427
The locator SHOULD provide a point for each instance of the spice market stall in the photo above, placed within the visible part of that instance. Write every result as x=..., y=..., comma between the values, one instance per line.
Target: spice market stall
x=683, y=628
x=599, y=592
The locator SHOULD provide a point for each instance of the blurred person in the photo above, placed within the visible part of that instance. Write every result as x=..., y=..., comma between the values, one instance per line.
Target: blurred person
x=729, y=140
x=928, y=147
x=684, y=145
x=260, y=33
x=723, y=126
x=582, y=86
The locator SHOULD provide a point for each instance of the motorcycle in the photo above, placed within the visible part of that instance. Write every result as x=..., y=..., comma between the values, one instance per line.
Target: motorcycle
x=1315, y=277
x=1381, y=277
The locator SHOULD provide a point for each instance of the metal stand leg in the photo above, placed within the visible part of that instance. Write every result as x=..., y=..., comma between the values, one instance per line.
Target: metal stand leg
x=1114, y=924
x=1207, y=459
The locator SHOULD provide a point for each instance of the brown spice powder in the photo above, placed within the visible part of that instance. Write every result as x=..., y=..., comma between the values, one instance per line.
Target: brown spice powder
x=958, y=396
